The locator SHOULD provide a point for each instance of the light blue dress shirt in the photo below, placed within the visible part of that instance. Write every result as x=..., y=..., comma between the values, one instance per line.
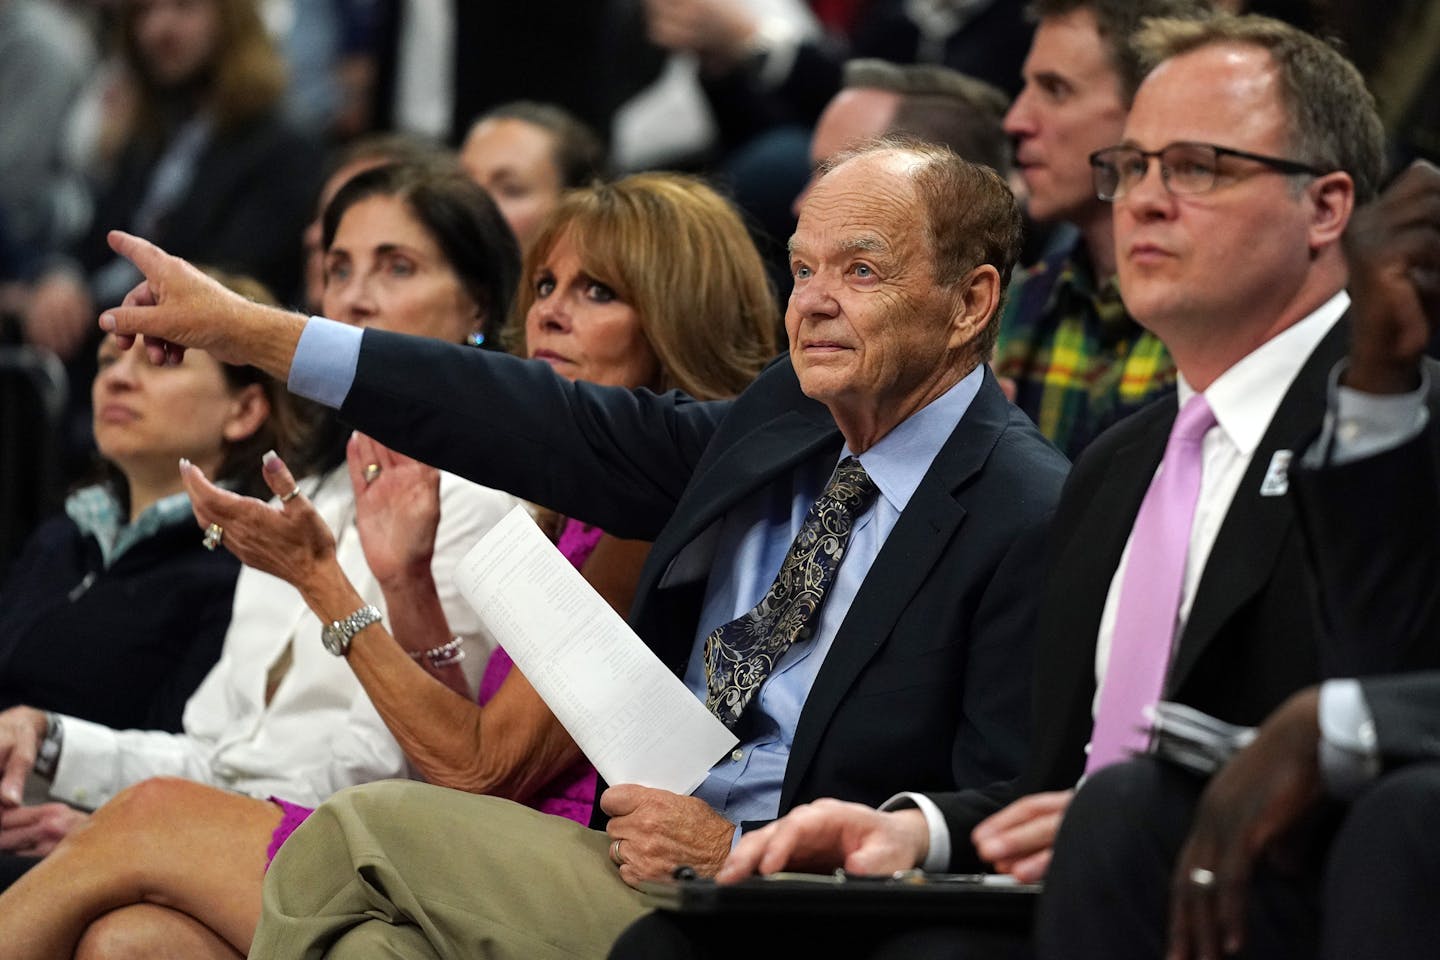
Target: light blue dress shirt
x=755, y=537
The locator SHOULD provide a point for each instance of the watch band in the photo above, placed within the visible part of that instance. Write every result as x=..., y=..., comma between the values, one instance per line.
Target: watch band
x=337, y=634
x=47, y=758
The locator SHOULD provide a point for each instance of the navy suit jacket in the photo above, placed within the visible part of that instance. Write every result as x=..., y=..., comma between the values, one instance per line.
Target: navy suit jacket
x=927, y=680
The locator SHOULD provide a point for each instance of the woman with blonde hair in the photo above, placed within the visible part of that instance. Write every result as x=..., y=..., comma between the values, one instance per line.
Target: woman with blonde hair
x=611, y=293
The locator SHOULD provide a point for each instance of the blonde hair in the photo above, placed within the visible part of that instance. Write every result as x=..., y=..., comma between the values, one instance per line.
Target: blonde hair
x=676, y=251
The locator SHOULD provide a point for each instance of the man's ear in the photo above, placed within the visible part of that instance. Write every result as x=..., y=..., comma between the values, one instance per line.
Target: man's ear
x=1332, y=200
x=977, y=298
x=249, y=410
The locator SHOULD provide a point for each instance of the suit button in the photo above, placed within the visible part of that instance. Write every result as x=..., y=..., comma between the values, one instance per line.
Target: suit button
x=803, y=634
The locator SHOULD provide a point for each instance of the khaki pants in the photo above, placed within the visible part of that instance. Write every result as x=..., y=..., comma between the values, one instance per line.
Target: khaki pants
x=403, y=869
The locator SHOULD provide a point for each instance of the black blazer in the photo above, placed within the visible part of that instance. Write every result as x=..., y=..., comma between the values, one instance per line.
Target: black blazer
x=927, y=680
x=1254, y=635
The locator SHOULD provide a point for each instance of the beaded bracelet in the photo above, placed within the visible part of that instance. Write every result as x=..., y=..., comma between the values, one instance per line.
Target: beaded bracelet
x=442, y=656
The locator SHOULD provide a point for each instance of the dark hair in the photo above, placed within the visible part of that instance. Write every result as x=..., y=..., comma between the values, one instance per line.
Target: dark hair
x=940, y=105
x=971, y=217
x=462, y=219
x=578, y=153
x=1117, y=21
x=286, y=431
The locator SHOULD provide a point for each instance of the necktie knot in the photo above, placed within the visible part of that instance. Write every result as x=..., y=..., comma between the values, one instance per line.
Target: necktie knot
x=850, y=486
x=1194, y=421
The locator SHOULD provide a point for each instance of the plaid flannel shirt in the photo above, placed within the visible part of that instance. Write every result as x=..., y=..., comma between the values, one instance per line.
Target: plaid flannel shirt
x=1078, y=360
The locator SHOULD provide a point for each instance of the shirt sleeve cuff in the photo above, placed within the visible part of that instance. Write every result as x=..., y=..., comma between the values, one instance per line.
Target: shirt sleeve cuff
x=325, y=361
x=86, y=771
x=1349, y=756
x=938, y=857
x=1360, y=425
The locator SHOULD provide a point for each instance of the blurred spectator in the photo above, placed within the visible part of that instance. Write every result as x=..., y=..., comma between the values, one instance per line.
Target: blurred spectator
x=206, y=165
x=923, y=101
x=327, y=45
x=670, y=123
x=45, y=56
x=760, y=74
x=72, y=637
x=525, y=154
x=1078, y=360
x=441, y=63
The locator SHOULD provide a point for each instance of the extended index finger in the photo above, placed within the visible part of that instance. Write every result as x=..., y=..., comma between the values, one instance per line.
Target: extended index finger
x=147, y=257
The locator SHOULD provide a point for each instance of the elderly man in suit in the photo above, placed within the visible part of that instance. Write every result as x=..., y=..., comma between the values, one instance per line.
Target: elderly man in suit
x=1176, y=569
x=915, y=667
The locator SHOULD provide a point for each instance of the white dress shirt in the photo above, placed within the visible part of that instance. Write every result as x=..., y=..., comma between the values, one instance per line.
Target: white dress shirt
x=1244, y=399
x=319, y=733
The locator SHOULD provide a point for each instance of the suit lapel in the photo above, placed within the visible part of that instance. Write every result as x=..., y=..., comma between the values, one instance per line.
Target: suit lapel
x=1104, y=499
x=909, y=555
x=771, y=449
x=1255, y=527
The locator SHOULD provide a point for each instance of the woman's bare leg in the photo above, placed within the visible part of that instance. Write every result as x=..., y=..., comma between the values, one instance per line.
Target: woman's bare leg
x=174, y=843
x=148, y=932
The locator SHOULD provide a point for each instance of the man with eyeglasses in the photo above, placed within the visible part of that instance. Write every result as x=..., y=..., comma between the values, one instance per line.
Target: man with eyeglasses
x=1078, y=361
x=1177, y=570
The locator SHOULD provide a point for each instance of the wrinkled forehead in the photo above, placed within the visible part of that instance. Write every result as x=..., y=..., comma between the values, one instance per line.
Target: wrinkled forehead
x=867, y=203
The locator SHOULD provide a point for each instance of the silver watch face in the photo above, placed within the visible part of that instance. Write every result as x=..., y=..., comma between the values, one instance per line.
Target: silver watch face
x=335, y=640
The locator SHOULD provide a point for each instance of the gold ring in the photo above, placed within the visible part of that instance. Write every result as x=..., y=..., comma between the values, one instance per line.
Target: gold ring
x=615, y=854
x=1202, y=878
x=213, y=535
x=291, y=495
x=372, y=470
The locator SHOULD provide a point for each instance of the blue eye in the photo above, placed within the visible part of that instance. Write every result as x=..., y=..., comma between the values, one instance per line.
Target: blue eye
x=801, y=272
x=863, y=270
x=544, y=286
x=598, y=292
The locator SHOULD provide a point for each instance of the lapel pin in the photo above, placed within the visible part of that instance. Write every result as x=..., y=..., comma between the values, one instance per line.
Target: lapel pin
x=1277, y=475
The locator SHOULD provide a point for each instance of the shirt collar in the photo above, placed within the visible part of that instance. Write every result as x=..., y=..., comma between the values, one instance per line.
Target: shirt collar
x=96, y=513
x=1245, y=397
x=900, y=460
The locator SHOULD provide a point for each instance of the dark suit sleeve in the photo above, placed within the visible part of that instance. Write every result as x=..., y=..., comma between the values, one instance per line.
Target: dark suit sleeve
x=1372, y=538
x=615, y=458
x=1406, y=711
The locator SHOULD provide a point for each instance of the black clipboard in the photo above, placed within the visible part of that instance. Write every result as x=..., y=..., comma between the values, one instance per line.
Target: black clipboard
x=980, y=899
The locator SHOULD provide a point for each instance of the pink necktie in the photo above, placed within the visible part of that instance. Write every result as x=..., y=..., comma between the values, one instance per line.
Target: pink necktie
x=1150, y=593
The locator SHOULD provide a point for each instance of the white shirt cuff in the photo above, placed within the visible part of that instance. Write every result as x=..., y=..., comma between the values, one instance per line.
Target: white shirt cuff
x=1360, y=425
x=88, y=767
x=325, y=361
x=1349, y=753
x=937, y=860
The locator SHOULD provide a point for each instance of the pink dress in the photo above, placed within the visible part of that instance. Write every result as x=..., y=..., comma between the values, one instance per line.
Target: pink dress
x=572, y=793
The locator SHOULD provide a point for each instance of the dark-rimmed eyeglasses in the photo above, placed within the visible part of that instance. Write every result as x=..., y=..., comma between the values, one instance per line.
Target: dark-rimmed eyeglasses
x=1185, y=168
